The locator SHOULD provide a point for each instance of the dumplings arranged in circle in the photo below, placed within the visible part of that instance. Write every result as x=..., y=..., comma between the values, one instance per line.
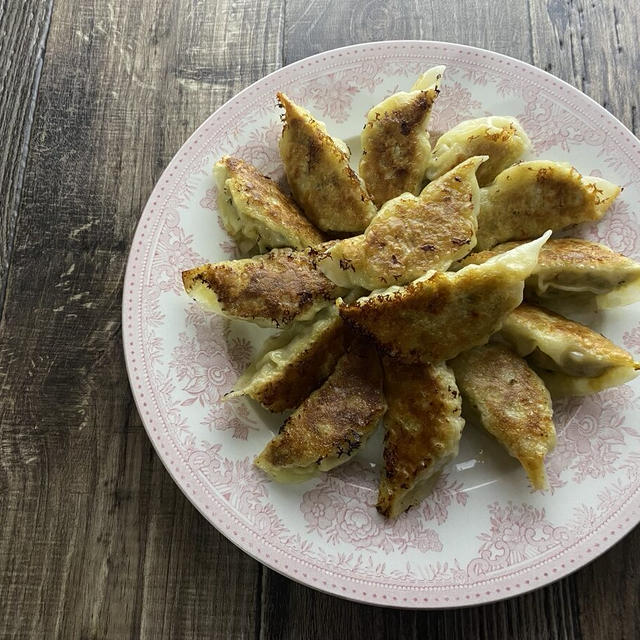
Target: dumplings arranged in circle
x=398, y=290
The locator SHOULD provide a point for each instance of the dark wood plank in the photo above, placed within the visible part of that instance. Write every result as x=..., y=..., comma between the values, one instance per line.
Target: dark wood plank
x=608, y=592
x=597, y=602
x=96, y=540
x=549, y=613
x=24, y=27
x=291, y=610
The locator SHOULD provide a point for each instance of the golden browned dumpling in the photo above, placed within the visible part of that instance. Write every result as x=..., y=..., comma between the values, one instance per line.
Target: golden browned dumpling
x=423, y=428
x=571, y=358
x=503, y=394
x=395, y=142
x=438, y=316
x=572, y=267
x=321, y=180
x=331, y=425
x=411, y=235
x=294, y=363
x=256, y=214
x=500, y=138
x=269, y=290
x=531, y=197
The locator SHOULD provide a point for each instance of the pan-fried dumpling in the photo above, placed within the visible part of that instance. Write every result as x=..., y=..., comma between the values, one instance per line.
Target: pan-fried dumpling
x=530, y=197
x=321, y=180
x=269, y=290
x=330, y=426
x=500, y=138
x=395, y=143
x=423, y=427
x=439, y=315
x=579, y=268
x=294, y=363
x=502, y=393
x=572, y=359
x=256, y=214
x=411, y=235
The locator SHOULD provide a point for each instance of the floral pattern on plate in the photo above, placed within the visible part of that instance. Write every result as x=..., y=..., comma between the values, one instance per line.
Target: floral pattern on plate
x=483, y=534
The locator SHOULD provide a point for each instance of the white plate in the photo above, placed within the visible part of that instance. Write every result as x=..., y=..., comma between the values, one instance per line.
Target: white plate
x=483, y=534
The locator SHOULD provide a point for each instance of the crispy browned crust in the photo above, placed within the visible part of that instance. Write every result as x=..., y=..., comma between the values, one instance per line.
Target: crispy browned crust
x=392, y=146
x=546, y=322
x=434, y=319
x=420, y=426
x=336, y=418
x=559, y=253
x=304, y=374
x=411, y=235
x=511, y=403
x=321, y=180
x=278, y=286
x=527, y=199
x=263, y=195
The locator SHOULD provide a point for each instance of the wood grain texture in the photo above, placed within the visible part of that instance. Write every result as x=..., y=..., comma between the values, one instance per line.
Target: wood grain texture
x=25, y=27
x=96, y=540
x=593, y=46
x=316, y=25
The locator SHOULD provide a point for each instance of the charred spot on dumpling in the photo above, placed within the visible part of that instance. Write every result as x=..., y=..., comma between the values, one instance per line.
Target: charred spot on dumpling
x=295, y=362
x=316, y=163
x=271, y=289
x=442, y=314
x=422, y=431
x=395, y=142
x=333, y=422
x=530, y=197
x=393, y=249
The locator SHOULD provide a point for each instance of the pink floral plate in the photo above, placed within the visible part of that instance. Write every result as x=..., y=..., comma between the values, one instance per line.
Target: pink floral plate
x=483, y=534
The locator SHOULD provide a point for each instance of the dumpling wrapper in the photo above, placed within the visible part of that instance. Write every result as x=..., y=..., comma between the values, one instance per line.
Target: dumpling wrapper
x=504, y=395
x=438, y=316
x=571, y=358
x=321, y=180
x=294, y=363
x=395, y=142
x=423, y=425
x=531, y=197
x=269, y=290
x=256, y=214
x=501, y=138
x=411, y=235
x=331, y=425
x=575, y=267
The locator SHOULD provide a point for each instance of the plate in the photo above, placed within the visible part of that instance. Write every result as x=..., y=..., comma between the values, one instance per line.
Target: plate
x=483, y=534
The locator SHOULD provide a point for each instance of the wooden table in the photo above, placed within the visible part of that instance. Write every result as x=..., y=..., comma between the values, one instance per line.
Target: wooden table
x=97, y=95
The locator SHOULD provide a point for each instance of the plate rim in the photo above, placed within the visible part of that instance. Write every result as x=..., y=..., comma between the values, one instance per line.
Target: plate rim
x=128, y=346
